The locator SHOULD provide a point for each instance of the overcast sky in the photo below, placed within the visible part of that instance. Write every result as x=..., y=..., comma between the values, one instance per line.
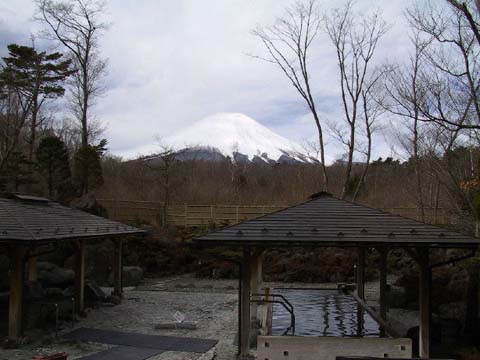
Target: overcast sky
x=173, y=62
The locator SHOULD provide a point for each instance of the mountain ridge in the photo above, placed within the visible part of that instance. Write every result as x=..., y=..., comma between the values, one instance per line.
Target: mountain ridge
x=233, y=135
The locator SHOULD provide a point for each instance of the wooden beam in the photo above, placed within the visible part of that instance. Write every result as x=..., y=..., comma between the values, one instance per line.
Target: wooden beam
x=17, y=270
x=80, y=277
x=256, y=278
x=424, y=302
x=245, y=305
x=390, y=331
x=361, y=273
x=383, y=285
x=118, y=268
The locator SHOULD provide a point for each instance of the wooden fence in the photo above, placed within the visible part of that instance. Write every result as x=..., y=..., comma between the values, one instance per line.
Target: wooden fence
x=203, y=215
x=183, y=214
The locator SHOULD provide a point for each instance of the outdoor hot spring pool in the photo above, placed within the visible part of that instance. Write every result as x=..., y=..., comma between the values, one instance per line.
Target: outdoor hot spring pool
x=323, y=313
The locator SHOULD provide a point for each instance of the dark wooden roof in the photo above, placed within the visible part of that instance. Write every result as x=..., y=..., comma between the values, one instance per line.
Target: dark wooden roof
x=329, y=221
x=32, y=219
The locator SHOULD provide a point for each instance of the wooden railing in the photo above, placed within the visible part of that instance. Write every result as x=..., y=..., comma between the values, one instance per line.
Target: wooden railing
x=203, y=215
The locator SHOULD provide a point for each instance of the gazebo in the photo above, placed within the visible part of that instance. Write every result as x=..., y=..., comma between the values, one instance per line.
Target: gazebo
x=327, y=221
x=30, y=225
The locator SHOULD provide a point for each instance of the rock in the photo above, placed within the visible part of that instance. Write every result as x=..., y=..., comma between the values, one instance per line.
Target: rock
x=34, y=290
x=113, y=299
x=98, y=262
x=69, y=292
x=397, y=297
x=458, y=284
x=53, y=292
x=454, y=310
x=132, y=276
x=93, y=293
x=51, y=275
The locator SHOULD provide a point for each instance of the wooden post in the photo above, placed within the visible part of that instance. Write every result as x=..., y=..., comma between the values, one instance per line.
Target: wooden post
x=117, y=268
x=256, y=278
x=383, y=286
x=32, y=269
x=424, y=303
x=17, y=269
x=245, y=305
x=80, y=276
x=361, y=273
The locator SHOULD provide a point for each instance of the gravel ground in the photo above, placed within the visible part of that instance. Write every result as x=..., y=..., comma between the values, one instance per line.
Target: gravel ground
x=211, y=303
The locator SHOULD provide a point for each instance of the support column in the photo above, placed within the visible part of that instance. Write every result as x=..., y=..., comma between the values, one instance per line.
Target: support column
x=424, y=303
x=80, y=277
x=383, y=285
x=256, y=278
x=361, y=273
x=118, y=268
x=17, y=270
x=245, y=304
x=32, y=269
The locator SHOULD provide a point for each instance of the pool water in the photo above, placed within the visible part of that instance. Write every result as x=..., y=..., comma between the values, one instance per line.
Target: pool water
x=323, y=313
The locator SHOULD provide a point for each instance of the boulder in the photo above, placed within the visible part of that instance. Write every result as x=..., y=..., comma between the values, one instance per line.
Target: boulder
x=93, y=294
x=51, y=275
x=98, y=262
x=34, y=290
x=132, y=276
x=397, y=297
x=54, y=292
x=453, y=310
x=114, y=299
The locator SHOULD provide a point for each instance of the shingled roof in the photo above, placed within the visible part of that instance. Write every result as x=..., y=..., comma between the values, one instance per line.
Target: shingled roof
x=32, y=219
x=329, y=221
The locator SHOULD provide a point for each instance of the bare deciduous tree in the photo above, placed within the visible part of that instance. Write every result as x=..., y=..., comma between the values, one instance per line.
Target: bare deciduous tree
x=288, y=43
x=405, y=87
x=355, y=39
x=453, y=72
x=15, y=107
x=372, y=110
x=162, y=163
x=470, y=14
x=77, y=25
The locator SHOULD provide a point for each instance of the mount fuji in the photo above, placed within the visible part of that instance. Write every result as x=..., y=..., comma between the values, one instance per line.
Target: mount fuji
x=233, y=135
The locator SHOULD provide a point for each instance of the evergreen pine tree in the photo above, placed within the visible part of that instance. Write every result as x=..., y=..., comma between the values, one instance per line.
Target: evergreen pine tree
x=53, y=164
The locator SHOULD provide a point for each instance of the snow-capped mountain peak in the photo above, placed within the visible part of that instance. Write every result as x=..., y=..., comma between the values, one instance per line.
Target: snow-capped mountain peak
x=233, y=132
x=234, y=135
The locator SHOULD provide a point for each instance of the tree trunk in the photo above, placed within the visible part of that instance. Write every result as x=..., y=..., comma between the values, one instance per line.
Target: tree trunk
x=351, y=150
x=322, y=147
x=85, y=105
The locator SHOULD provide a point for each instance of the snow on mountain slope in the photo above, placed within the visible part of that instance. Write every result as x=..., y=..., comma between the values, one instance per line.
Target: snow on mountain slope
x=233, y=132
x=230, y=133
